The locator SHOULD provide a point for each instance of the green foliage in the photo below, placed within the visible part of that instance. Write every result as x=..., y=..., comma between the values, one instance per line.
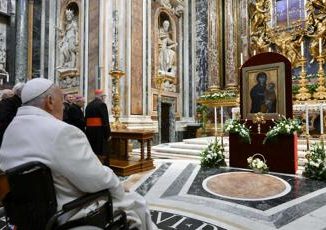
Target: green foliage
x=312, y=88
x=315, y=167
x=213, y=156
x=295, y=89
x=234, y=126
x=285, y=126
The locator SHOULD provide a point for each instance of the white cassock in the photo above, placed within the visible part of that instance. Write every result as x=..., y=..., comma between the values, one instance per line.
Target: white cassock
x=35, y=135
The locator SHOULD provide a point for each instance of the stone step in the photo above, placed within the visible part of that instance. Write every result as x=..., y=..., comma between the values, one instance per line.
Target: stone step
x=183, y=145
x=163, y=149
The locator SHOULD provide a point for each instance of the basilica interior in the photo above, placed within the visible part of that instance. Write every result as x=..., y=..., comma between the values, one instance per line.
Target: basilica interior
x=175, y=73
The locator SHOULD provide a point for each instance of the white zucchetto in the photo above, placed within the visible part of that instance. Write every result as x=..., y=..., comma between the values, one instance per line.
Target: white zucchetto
x=35, y=88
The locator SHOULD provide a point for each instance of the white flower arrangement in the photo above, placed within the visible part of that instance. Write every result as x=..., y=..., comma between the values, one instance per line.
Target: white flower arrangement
x=234, y=126
x=257, y=164
x=219, y=95
x=213, y=155
x=285, y=126
x=315, y=167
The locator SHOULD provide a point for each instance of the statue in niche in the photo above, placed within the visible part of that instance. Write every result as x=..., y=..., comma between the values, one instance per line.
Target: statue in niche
x=69, y=44
x=167, y=54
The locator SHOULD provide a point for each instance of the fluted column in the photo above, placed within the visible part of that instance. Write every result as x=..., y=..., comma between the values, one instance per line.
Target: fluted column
x=21, y=40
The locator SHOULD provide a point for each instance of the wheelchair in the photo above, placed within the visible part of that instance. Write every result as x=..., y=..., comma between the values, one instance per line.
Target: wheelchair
x=28, y=196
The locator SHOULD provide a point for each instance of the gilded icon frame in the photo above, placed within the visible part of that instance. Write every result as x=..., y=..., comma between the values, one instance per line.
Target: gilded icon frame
x=275, y=73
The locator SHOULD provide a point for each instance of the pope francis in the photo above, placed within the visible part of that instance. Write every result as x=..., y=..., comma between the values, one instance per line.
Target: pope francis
x=38, y=134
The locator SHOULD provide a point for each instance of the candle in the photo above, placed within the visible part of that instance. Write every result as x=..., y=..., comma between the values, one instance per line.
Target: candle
x=302, y=49
x=307, y=120
x=320, y=46
x=222, y=118
x=269, y=49
x=241, y=58
x=254, y=52
x=321, y=120
x=215, y=120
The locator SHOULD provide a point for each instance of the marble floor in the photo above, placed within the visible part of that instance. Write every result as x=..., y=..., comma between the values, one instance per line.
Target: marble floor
x=178, y=200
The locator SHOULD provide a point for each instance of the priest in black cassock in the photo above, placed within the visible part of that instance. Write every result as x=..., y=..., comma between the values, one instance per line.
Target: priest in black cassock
x=97, y=122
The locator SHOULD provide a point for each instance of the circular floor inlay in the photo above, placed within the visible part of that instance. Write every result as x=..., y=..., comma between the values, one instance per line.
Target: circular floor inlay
x=246, y=186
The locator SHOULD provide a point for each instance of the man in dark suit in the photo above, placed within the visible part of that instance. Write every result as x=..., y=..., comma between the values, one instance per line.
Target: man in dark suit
x=68, y=99
x=97, y=122
x=76, y=114
x=9, y=107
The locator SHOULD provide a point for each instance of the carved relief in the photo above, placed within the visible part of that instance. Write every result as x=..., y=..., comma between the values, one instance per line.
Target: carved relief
x=316, y=25
x=176, y=6
x=4, y=76
x=259, y=31
x=4, y=6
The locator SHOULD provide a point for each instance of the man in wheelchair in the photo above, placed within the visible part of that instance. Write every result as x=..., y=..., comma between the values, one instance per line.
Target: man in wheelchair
x=38, y=134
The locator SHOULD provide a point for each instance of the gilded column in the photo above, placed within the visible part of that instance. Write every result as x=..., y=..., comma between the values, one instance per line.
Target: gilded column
x=21, y=40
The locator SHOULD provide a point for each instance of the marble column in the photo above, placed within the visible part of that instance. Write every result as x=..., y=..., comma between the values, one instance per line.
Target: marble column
x=21, y=40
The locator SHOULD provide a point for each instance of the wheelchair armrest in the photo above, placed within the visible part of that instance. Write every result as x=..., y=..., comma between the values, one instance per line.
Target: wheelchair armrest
x=86, y=199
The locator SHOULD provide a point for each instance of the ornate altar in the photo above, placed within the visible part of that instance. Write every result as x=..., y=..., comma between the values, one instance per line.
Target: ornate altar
x=256, y=75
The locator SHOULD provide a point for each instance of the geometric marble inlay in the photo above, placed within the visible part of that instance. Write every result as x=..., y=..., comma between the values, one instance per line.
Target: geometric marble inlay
x=246, y=186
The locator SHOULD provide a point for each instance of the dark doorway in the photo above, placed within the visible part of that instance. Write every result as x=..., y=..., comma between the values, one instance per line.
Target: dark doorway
x=165, y=122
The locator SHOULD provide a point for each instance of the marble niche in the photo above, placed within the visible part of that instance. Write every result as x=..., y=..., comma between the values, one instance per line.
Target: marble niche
x=68, y=47
x=167, y=18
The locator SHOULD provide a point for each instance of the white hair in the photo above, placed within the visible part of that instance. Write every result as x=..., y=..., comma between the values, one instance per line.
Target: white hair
x=17, y=89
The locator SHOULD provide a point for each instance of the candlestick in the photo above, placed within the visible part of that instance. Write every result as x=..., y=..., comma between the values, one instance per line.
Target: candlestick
x=307, y=120
x=222, y=122
x=302, y=49
x=215, y=120
x=321, y=120
x=241, y=58
x=320, y=46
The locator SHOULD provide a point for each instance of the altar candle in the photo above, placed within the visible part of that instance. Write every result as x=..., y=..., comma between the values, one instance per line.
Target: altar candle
x=302, y=50
x=321, y=120
x=320, y=46
x=215, y=120
x=307, y=120
x=241, y=58
x=222, y=122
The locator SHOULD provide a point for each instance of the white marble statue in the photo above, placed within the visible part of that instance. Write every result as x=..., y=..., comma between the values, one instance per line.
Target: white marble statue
x=3, y=6
x=167, y=54
x=2, y=50
x=69, y=44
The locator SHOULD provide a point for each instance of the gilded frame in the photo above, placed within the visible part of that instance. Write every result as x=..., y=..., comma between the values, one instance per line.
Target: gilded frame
x=275, y=75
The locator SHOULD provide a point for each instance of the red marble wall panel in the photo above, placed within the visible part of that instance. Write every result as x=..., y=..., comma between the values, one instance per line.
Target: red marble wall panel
x=93, y=46
x=137, y=58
